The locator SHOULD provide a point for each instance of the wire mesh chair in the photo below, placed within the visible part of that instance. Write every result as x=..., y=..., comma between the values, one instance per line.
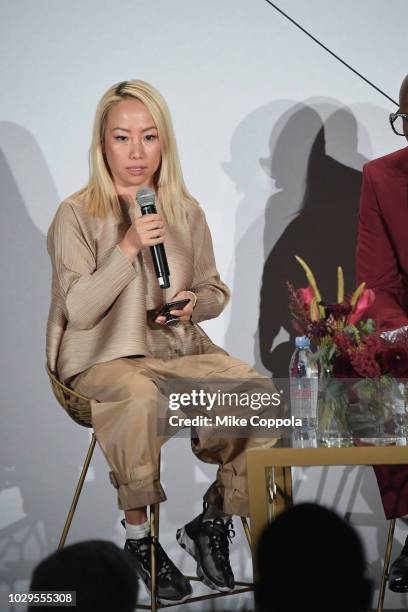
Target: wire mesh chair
x=78, y=407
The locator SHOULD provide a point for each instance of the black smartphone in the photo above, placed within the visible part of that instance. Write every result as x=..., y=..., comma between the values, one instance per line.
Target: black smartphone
x=177, y=305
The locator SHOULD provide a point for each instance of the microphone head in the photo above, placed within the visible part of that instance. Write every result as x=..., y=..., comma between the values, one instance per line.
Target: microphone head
x=145, y=197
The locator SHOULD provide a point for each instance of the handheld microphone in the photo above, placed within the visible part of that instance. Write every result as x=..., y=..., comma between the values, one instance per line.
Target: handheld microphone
x=146, y=198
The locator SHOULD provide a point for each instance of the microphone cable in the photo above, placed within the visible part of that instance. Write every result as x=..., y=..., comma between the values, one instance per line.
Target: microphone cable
x=330, y=51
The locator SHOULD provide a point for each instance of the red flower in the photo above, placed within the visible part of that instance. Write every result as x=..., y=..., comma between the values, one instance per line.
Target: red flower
x=317, y=329
x=337, y=310
x=365, y=301
x=373, y=344
x=307, y=295
x=299, y=329
x=342, y=367
x=394, y=361
x=365, y=364
x=343, y=342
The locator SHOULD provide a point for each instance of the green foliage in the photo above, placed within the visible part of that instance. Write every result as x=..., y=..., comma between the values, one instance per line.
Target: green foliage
x=367, y=327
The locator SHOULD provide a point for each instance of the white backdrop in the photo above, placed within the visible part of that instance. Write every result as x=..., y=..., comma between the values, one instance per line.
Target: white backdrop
x=269, y=125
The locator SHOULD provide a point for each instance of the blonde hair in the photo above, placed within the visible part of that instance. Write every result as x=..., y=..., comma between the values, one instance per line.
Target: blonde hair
x=169, y=184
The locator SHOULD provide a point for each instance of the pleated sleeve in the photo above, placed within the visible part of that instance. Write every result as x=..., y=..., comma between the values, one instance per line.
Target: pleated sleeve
x=212, y=293
x=87, y=288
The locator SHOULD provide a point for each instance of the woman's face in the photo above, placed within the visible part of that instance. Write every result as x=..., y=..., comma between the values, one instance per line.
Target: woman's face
x=132, y=147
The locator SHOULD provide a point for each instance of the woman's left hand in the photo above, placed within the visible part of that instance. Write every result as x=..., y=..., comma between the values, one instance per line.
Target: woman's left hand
x=185, y=313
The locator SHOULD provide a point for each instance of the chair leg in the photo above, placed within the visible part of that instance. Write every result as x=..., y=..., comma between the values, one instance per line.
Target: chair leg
x=77, y=492
x=154, y=533
x=387, y=559
x=247, y=530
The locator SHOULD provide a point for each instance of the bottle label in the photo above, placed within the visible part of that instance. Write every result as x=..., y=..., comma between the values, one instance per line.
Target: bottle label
x=303, y=392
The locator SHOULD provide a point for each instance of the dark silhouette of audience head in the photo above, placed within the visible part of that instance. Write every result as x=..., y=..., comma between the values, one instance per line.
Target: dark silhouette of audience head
x=310, y=558
x=101, y=574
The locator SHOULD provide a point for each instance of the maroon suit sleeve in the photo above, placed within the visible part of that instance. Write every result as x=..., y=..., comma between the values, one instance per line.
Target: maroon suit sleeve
x=393, y=485
x=377, y=265
x=376, y=260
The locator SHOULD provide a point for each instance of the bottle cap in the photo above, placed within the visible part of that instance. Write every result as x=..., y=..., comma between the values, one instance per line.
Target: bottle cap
x=302, y=342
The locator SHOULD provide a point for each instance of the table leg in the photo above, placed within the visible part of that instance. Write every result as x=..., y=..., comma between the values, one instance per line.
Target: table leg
x=258, y=502
x=283, y=490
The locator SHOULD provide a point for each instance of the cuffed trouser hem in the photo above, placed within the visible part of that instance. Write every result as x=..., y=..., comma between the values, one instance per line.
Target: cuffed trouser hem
x=137, y=493
x=229, y=494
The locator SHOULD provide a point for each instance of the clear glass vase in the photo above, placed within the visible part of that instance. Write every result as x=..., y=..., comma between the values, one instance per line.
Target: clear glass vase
x=379, y=416
x=333, y=413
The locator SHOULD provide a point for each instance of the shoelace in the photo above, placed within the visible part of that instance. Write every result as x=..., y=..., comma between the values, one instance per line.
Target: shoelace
x=164, y=565
x=219, y=537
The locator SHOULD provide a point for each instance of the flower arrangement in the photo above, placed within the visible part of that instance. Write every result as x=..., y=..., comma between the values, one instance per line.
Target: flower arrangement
x=357, y=362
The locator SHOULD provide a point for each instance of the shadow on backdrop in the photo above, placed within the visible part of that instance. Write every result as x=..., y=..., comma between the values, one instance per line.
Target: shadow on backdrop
x=296, y=200
x=322, y=231
x=41, y=449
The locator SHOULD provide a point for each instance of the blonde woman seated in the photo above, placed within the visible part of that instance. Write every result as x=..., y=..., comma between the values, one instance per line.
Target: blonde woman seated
x=104, y=337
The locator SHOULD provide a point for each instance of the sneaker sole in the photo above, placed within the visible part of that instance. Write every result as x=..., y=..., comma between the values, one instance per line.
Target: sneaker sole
x=189, y=546
x=165, y=601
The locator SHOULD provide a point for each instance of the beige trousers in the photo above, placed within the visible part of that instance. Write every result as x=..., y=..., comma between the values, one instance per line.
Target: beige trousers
x=125, y=420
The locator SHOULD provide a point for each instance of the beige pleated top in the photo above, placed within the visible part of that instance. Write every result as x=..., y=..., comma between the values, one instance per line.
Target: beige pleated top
x=102, y=305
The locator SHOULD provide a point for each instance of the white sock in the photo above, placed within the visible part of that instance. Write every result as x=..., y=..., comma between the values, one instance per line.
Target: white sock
x=137, y=532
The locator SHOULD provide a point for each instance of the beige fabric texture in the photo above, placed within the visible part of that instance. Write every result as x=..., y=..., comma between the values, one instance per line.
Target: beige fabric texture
x=125, y=421
x=102, y=304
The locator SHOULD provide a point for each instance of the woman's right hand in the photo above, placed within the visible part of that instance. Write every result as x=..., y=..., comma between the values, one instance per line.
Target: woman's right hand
x=145, y=231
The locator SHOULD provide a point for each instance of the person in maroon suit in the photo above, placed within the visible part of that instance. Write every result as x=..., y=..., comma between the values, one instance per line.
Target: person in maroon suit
x=382, y=262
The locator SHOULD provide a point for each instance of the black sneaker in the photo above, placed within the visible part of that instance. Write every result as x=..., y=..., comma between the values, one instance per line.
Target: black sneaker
x=208, y=543
x=398, y=578
x=172, y=586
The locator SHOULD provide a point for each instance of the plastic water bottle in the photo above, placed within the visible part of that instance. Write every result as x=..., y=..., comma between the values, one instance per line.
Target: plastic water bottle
x=304, y=382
